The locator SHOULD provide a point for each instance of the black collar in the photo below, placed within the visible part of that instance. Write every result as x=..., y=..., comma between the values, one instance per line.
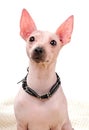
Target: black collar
x=33, y=93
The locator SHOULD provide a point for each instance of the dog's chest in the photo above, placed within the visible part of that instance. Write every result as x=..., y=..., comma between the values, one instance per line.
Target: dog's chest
x=39, y=111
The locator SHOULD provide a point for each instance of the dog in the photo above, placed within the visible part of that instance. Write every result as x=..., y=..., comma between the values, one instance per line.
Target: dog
x=40, y=103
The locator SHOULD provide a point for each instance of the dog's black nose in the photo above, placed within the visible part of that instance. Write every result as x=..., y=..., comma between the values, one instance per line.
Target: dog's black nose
x=39, y=50
x=39, y=54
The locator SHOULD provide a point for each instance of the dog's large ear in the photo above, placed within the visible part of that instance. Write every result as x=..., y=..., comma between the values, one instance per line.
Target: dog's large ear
x=27, y=25
x=65, y=30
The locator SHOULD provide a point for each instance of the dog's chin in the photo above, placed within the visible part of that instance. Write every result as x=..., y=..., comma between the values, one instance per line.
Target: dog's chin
x=39, y=60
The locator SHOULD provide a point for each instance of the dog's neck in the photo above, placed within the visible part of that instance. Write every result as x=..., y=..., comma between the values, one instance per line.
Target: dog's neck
x=41, y=77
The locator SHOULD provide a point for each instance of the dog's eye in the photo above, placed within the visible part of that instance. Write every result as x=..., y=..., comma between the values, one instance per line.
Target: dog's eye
x=53, y=43
x=32, y=39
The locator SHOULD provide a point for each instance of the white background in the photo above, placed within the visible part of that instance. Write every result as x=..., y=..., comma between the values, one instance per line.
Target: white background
x=73, y=60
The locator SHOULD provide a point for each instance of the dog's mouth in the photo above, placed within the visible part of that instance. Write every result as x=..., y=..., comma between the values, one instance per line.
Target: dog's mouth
x=38, y=59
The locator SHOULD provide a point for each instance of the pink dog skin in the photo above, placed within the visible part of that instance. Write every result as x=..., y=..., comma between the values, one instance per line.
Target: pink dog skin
x=45, y=114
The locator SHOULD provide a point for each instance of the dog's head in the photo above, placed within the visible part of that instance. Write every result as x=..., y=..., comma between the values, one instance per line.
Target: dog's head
x=44, y=46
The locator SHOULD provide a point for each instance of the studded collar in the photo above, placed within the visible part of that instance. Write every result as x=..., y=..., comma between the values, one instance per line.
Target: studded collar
x=32, y=92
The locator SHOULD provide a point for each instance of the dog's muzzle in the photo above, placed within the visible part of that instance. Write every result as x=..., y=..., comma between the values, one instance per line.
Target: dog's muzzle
x=39, y=54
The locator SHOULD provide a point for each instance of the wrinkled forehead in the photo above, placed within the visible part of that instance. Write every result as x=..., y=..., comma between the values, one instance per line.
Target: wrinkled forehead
x=44, y=35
